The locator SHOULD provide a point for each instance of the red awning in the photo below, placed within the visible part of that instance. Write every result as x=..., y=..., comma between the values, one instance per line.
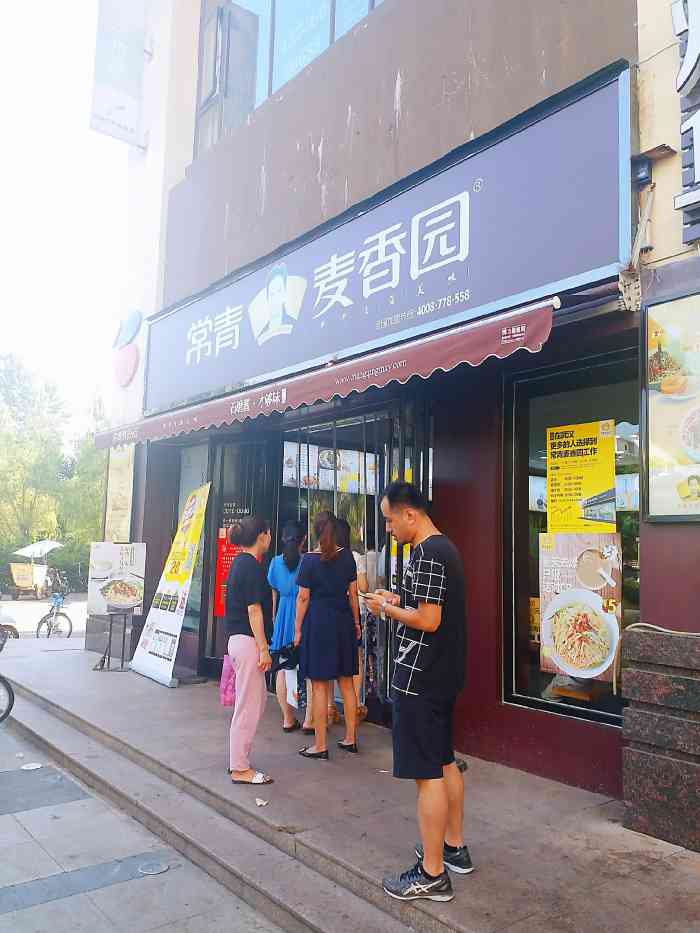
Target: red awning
x=500, y=336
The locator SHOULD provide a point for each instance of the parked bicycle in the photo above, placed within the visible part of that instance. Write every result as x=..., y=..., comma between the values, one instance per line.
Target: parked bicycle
x=55, y=624
x=7, y=694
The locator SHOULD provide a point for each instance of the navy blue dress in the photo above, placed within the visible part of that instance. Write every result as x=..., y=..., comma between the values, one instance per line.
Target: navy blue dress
x=328, y=639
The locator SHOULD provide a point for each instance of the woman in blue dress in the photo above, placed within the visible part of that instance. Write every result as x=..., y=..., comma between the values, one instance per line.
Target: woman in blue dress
x=282, y=577
x=328, y=627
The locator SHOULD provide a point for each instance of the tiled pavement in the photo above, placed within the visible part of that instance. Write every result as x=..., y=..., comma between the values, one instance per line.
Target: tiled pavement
x=70, y=862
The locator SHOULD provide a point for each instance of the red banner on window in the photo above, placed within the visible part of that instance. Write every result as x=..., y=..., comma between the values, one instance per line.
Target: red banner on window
x=225, y=553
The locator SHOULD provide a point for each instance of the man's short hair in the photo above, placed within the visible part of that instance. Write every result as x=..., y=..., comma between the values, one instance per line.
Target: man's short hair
x=406, y=495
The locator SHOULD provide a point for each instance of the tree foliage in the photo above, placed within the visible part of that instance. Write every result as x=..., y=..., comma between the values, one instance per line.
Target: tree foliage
x=45, y=492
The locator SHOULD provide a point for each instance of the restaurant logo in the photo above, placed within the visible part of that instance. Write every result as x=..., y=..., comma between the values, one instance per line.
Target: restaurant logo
x=126, y=356
x=276, y=308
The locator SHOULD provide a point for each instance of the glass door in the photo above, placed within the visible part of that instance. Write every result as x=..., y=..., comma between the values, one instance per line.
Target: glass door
x=242, y=486
x=343, y=465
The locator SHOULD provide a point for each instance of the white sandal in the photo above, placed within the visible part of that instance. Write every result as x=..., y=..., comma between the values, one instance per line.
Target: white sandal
x=258, y=778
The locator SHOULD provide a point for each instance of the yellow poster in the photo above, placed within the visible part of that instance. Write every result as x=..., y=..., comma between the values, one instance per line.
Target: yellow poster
x=157, y=648
x=581, y=478
x=183, y=553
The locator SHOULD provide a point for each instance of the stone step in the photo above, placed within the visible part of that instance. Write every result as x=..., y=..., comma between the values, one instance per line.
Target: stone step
x=272, y=881
x=422, y=916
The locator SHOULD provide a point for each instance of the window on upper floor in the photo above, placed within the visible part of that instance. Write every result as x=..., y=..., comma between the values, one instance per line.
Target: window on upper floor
x=249, y=49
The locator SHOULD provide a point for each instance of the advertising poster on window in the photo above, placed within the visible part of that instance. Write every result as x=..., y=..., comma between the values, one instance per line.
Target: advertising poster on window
x=225, y=553
x=115, y=578
x=157, y=647
x=313, y=467
x=673, y=383
x=581, y=478
x=580, y=604
x=120, y=486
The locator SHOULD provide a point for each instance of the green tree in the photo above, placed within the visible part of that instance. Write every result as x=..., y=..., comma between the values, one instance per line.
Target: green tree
x=31, y=422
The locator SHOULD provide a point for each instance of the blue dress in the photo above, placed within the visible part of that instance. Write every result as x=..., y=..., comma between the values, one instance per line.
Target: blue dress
x=328, y=640
x=284, y=580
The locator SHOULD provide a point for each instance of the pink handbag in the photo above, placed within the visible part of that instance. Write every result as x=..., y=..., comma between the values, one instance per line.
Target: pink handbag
x=227, y=684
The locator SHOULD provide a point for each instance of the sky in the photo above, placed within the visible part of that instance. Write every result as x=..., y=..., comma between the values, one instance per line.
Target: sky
x=63, y=204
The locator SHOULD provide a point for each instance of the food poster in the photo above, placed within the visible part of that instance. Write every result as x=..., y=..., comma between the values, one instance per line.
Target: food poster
x=157, y=647
x=581, y=478
x=312, y=467
x=673, y=381
x=120, y=486
x=115, y=578
x=580, y=604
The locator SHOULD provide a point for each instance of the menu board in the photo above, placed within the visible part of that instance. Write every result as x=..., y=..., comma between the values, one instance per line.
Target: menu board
x=115, y=578
x=581, y=477
x=312, y=467
x=580, y=604
x=673, y=398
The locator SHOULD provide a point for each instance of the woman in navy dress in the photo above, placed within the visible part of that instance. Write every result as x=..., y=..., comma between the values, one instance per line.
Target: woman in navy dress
x=328, y=627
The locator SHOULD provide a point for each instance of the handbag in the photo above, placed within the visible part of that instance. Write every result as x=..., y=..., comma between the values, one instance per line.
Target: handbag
x=227, y=684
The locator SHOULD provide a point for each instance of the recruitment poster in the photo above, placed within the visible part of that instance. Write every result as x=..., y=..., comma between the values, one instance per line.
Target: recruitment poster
x=225, y=553
x=580, y=604
x=673, y=380
x=581, y=478
x=157, y=647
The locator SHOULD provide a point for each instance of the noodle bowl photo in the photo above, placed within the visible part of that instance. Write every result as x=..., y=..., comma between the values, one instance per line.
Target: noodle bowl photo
x=582, y=638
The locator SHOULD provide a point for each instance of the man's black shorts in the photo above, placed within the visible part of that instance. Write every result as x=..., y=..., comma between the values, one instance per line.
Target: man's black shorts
x=422, y=733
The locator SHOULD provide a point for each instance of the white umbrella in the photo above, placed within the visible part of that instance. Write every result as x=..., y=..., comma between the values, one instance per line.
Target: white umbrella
x=38, y=550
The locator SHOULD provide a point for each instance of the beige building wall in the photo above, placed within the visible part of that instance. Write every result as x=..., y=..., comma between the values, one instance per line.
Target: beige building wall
x=170, y=88
x=659, y=125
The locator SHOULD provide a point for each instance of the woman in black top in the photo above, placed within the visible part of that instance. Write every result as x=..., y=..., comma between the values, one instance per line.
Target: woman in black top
x=248, y=615
x=328, y=627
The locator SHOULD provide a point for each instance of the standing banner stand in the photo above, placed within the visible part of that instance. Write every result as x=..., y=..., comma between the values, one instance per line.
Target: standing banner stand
x=105, y=662
x=115, y=590
x=155, y=653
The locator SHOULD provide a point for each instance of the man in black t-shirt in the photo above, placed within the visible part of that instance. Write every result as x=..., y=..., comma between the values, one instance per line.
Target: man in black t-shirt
x=428, y=674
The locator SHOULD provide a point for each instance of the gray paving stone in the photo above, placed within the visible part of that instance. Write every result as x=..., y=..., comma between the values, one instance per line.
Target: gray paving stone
x=25, y=862
x=73, y=915
x=68, y=883
x=27, y=790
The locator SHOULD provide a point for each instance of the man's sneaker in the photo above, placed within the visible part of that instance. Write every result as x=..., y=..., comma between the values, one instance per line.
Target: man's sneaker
x=414, y=884
x=458, y=861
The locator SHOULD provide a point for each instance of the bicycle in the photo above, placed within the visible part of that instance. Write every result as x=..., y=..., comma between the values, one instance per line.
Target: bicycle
x=7, y=694
x=55, y=623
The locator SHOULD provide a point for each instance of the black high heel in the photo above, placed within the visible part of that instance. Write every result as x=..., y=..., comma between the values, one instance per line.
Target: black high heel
x=321, y=756
x=353, y=749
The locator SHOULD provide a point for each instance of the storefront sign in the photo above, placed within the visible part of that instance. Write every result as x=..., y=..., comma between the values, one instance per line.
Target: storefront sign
x=157, y=647
x=580, y=605
x=581, y=494
x=673, y=409
x=543, y=210
x=115, y=578
x=120, y=60
x=686, y=25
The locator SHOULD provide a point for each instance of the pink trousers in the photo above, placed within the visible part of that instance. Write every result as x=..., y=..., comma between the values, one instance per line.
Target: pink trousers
x=251, y=696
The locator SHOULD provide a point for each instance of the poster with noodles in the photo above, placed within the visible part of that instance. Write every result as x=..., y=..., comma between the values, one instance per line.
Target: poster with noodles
x=580, y=604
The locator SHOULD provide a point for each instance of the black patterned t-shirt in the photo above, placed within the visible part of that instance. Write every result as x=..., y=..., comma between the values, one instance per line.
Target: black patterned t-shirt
x=431, y=664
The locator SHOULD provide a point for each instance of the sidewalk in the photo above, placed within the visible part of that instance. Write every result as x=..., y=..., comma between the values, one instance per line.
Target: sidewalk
x=71, y=863
x=549, y=857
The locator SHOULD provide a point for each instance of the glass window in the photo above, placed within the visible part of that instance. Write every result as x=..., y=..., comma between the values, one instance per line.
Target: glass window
x=211, y=49
x=553, y=595
x=347, y=13
x=249, y=51
x=302, y=33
